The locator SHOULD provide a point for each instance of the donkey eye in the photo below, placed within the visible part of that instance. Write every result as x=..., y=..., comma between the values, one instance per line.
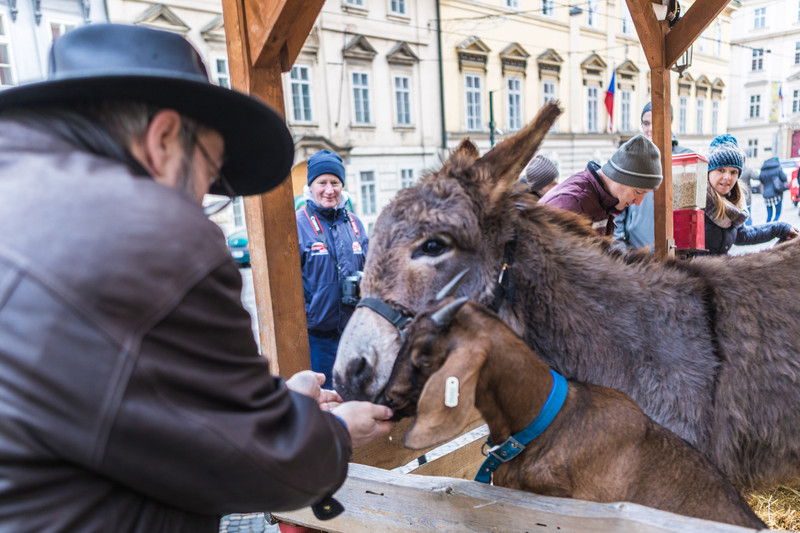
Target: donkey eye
x=432, y=247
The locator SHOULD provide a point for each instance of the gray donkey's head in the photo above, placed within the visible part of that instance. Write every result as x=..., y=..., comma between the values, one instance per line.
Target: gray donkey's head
x=456, y=218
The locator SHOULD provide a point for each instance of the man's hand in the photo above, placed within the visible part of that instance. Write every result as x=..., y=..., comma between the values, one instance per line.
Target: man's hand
x=365, y=421
x=310, y=384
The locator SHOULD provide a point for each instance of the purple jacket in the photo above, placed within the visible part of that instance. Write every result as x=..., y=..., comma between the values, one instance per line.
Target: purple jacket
x=132, y=394
x=583, y=193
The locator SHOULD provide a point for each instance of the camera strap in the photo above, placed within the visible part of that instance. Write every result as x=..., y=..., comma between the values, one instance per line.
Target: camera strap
x=320, y=233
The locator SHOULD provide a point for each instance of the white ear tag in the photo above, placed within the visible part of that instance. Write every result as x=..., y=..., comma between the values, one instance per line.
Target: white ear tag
x=451, y=391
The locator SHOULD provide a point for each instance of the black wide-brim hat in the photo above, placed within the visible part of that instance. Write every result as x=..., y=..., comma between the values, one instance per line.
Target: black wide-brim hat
x=131, y=63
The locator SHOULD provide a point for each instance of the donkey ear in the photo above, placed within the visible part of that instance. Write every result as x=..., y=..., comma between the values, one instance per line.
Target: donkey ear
x=465, y=149
x=508, y=158
x=435, y=422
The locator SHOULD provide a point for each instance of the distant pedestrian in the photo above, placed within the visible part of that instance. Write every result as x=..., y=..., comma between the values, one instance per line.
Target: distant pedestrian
x=541, y=175
x=726, y=208
x=773, y=184
x=746, y=179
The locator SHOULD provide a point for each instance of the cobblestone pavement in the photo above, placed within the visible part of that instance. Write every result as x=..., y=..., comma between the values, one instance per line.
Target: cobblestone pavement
x=246, y=523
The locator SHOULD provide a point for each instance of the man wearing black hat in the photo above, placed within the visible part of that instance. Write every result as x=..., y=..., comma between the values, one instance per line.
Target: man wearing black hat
x=132, y=394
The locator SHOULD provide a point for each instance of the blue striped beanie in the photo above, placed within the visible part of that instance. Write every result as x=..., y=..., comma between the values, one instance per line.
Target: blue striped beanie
x=725, y=152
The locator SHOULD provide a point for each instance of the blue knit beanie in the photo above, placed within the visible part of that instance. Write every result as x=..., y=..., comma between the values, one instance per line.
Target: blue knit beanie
x=725, y=152
x=325, y=162
x=647, y=107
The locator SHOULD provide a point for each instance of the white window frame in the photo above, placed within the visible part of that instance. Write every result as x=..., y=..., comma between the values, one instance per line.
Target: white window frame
x=718, y=39
x=700, y=112
x=548, y=8
x=397, y=7
x=473, y=101
x=5, y=42
x=683, y=104
x=627, y=20
x=514, y=101
x=625, y=99
x=366, y=181
x=757, y=63
x=357, y=3
x=362, y=111
x=760, y=18
x=796, y=101
x=62, y=27
x=300, y=94
x=402, y=99
x=752, y=148
x=714, y=116
x=222, y=78
x=592, y=107
x=548, y=91
x=511, y=4
x=407, y=178
x=592, y=12
x=797, y=53
x=755, y=106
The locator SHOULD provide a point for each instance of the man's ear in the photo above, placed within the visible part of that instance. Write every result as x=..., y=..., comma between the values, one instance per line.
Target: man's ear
x=436, y=422
x=161, y=149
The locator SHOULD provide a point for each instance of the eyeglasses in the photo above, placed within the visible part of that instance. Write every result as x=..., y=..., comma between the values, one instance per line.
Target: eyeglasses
x=215, y=207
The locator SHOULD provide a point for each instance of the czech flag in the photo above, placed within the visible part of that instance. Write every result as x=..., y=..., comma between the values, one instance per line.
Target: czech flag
x=610, y=100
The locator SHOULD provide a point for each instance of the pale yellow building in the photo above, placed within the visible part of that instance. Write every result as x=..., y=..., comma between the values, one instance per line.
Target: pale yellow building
x=502, y=59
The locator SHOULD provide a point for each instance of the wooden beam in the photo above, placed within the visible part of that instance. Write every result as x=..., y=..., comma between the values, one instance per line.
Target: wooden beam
x=649, y=31
x=662, y=137
x=689, y=27
x=376, y=500
x=271, y=227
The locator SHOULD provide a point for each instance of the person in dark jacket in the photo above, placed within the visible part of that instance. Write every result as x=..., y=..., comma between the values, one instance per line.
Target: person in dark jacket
x=773, y=184
x=602, y=193
x=333, y=249
x=748, y=174
x=726, y=209
x=133, y=397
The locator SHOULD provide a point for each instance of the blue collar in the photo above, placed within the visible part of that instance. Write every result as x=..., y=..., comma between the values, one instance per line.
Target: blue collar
x=512, y=447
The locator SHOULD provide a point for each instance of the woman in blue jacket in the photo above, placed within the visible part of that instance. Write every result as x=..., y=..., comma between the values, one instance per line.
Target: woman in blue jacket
x=333, y=247
x=726, y=207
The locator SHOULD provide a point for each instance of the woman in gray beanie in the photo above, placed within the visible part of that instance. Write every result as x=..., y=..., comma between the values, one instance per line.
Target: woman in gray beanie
x=602, y=193
x=541, y=175
x=726, y=207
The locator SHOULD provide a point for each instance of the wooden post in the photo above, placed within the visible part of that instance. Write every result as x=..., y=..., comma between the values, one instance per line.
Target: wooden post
x=271, y=35
x=662, y=137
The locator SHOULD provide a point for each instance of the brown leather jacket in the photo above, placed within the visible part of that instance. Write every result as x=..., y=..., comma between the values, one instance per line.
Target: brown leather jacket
x=132, y=395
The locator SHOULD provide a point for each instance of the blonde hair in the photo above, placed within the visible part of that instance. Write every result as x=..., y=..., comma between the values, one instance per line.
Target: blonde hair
x=738, y=191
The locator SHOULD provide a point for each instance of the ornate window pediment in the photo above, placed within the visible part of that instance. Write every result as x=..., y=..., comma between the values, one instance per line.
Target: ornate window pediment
x=161, y=17
x=685, y=83
x=549, y=62
x=214, y=31
x=472, y=52
x=402, y=54
x=716, y=88
x=593, y=68
x=359, y=48
x=794, y=77
x=514, y=58
x=702, y=85
x=628, y=71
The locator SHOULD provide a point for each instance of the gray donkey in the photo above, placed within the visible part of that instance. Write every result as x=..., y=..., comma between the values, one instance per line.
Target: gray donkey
x=708, y=348
x=551, y=437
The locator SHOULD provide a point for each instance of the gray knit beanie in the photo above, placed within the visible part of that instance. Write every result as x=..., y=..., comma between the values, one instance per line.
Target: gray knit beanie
x=540, y=172
x=637, y=163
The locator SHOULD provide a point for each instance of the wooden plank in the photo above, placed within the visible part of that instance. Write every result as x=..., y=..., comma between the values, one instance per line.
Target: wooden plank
x=649, y=30
x=377, y=500
x=662, y=137
x=462, y=463
x=388, y=452
x=271, y=227
x=689, y=27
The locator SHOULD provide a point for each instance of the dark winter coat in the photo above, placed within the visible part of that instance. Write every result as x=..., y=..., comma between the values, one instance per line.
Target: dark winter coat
x=132, y=394
x=772, y=176
x=328, y=235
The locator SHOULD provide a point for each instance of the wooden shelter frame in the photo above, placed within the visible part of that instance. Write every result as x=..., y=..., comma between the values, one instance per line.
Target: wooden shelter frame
x=264, y=37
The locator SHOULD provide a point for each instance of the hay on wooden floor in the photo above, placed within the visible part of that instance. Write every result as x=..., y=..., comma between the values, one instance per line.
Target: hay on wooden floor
x=779, y=508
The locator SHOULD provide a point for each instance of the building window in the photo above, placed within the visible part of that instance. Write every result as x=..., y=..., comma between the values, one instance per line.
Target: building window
x=592, y=15
x=798, y=11
x=301, y=93
x=682, y=105
x=752, y=148
x=361, y=98
x=755, y=106
x=6, y=69
x=758, y=59
x=549, y=91
x=548, y=8
x=57, y=29
x=221, y=72
x=398, y=7
x=714, y=117
x=797, y=53
x=796, y=101
x=700, y=110
x=369, y=205
x=591, y=109
x=406, y=177
x=402, y=99
x=760, y=19
x=718, y=39
x=359, y=3
x=625, y=111
x=627, y=21
x=513, y=4
x=238, y=212
x=514, y=103
x=473, y=94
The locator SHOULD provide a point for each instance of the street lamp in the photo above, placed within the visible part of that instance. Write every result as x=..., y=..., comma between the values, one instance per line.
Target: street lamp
x=684, y=62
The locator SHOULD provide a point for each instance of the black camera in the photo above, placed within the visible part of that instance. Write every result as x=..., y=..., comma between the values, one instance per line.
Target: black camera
x=350, y=289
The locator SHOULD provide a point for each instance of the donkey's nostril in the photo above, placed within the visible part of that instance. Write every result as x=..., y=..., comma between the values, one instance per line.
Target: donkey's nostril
x=357, y=367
